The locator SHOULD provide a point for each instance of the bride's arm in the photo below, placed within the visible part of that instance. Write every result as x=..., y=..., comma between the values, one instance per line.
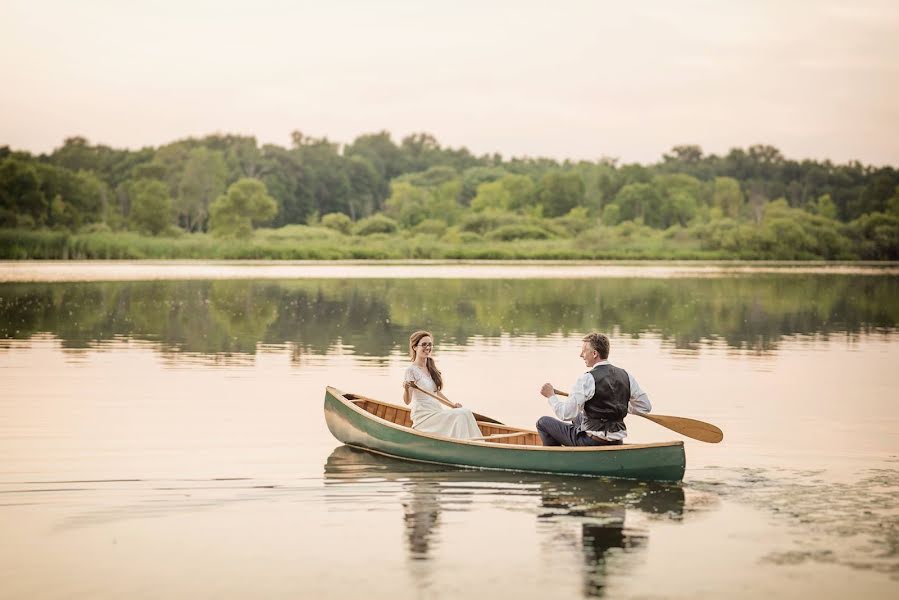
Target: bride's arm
x=409, y=378
x=407, y=395
x=447, y=401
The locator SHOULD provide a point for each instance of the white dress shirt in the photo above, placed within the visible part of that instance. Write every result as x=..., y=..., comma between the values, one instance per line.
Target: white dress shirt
x=584, y=388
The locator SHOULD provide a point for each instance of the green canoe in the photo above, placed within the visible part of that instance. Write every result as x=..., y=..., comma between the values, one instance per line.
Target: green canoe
x=387, y=429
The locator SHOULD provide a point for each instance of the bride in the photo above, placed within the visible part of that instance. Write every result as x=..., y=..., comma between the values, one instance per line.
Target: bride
x=427, y=414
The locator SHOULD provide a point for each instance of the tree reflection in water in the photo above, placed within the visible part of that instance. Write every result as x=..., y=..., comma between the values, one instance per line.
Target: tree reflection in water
x=596, y=507
x=374, y=316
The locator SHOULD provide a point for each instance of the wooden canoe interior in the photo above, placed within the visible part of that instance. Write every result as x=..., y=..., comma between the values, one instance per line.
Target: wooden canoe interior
x=403, y=416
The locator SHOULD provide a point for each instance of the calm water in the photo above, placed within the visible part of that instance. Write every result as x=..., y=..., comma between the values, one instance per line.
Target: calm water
x=162, y=436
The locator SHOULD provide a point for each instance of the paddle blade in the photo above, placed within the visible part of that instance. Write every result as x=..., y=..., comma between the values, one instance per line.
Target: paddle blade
x=691, y=428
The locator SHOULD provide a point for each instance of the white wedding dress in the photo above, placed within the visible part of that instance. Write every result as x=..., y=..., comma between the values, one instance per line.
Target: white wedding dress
x=430, y=416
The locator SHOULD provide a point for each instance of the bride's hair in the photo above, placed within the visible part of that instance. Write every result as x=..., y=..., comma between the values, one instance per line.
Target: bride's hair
x=433, y=371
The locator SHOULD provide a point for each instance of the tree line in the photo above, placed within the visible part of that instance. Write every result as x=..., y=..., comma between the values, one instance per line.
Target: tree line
x=752, y=198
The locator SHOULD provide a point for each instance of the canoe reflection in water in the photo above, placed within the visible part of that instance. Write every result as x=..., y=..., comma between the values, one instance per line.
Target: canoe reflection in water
x=585, y=513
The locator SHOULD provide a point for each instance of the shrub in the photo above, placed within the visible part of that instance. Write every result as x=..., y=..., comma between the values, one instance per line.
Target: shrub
x=431, y=226
x=482, y=222
x=455, y=237
x=376, y=224
x=611, y=214
x=576, y=221
x=877, y=236
x=295, y=234
x=246, y=204
x=520, y=231
x=151, y=206
x=338, y=222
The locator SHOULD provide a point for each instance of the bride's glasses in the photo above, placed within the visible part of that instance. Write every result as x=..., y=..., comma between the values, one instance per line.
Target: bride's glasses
x=426, y=345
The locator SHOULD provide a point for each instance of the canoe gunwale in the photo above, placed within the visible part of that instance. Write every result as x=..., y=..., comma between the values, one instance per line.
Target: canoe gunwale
x=351, y=404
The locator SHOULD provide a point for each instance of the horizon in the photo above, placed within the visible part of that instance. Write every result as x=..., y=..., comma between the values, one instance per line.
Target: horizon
x=575, y=81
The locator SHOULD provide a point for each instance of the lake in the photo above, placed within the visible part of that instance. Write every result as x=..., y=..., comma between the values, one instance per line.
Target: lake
x=162, y=434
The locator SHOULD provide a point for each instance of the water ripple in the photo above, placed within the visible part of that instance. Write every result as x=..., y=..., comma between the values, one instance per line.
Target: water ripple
x=854, y=524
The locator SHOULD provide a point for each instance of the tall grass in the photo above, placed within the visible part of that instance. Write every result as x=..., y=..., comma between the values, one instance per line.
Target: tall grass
x=299, y=242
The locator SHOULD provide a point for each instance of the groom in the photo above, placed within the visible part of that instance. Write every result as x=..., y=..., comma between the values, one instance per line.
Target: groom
x=597, y=405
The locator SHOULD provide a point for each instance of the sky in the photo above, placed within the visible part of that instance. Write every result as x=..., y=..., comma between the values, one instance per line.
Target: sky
x=564, y=79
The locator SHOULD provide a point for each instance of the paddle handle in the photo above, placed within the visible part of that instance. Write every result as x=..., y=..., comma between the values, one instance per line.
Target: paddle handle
x=434, y=396
x=477, y=416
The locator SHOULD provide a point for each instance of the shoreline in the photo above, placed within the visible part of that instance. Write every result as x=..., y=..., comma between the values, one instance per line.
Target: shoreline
x=50, y=271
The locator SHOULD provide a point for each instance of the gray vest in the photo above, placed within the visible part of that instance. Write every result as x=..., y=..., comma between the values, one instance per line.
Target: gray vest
x=606, y=410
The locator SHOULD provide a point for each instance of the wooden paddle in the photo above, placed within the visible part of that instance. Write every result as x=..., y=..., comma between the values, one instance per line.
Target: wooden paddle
x=477, y=417
x=691, y=428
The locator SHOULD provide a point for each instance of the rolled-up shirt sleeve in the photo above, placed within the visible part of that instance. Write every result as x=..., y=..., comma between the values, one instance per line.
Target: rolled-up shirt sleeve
x=568, y=408
x=639, y=401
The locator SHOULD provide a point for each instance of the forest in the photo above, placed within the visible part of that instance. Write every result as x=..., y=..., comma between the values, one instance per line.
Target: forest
x=227, y=196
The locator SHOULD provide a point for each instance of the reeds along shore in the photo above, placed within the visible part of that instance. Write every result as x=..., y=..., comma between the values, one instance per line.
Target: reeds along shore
x=310, y=243
x=301, y=242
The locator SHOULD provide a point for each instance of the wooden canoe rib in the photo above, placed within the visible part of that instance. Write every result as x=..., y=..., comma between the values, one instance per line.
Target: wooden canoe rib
x=386, y=428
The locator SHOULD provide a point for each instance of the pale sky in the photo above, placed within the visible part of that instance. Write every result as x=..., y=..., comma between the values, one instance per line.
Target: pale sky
x=560, y=78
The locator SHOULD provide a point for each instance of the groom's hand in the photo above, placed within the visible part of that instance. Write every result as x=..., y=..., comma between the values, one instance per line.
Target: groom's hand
x=547, y=390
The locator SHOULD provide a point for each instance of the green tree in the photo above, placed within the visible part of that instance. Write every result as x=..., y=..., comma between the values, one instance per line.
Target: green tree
x=246, y=204
x=492, y=196
x=432, y=177
x=325, y=179
x=874, y=196
x=728, y=196
x=443, y=203
x=824, y=207
x=242, y=154
x=421, y=151
x=407, y=204
x=680, y=199
x=22, y=203
x=366, y=187
x=284, y=178
x=597, y=180
x=167, y=165
x=202, y=181
x=151, y=206
x=679, y=208
x=379, y=149
x=640, y=201
x=113, y=167
x=877, y=236
x=522, y=191
x=472, y=178
x=893, y=204
x=559, y=192
x=77, y=198
x=611, y=215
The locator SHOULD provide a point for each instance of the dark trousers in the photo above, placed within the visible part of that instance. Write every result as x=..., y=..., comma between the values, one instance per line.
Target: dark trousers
x=554, y=432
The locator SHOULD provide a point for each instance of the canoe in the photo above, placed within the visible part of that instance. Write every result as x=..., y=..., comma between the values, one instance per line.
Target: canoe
x=386, y=429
